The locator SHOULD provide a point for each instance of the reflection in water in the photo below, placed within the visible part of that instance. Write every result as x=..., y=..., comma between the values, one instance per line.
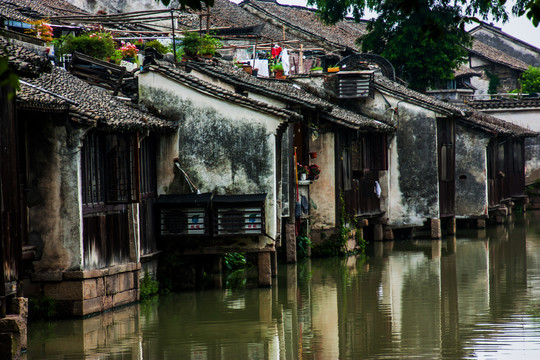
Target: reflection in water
x=471, y=296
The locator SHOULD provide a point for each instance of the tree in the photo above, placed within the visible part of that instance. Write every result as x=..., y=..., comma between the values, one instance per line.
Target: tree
x=332, y=11
x=192, y=4
x=530, y=80
x=424, y=47
x=424, y=39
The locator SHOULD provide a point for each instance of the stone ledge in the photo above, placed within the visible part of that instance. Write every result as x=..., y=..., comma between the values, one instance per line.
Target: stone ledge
x=47, y=276
x=57, y=276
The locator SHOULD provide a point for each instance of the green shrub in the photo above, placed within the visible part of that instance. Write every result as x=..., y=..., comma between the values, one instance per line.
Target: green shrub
x=41, y=308
x=234, y=261
x=148, y=287
x=160, y=48
x=191, y=43
x=303, y=243
x=98, y=45
x=209, y=45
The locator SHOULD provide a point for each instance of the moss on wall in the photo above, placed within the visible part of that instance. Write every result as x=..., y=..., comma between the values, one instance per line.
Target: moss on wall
x=222, y=153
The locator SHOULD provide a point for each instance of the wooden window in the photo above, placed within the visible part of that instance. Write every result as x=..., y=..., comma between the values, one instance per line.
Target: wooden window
x=147, y=175
x=93, y=171
x=109, y=169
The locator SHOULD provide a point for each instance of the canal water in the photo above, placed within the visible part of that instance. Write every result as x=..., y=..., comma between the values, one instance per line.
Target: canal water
x=474, y=296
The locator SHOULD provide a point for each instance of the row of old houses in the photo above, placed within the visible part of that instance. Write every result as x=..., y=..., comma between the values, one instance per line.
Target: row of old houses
x=97, y=190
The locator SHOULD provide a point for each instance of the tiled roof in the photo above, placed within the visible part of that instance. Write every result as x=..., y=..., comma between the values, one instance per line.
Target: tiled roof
x=291, y=94
x=412, y=96
x=230, y=15
x=492, y=54
x=466, y=71
x=26, y=10
x=219, y=92
x=500, y=33
x=467, y=115
x=92, y=105
x=305, y=20
x=23, y=61
x=495, y=125
x=505, y=103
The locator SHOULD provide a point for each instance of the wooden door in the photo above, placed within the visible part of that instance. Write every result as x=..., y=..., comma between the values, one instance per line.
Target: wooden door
x=446, y=157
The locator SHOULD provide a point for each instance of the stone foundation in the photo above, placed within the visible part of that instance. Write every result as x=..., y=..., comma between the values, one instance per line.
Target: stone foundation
x=80, y=293
x=13, y=330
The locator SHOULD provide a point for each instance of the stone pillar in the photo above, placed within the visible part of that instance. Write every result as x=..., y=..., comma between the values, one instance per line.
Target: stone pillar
x=436, y=228
x=451, y=226
x=13, y=330
x=378, y=232
x=265, y=270
x=388, y=233
x=290, y=243
x=481, y=223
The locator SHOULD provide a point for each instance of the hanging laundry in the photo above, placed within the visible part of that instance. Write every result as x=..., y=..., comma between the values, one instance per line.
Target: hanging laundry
x=285, y=61
x=377, y=189
x=276, y=51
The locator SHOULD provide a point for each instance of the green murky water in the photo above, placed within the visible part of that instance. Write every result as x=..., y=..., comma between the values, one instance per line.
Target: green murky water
x=476, y=296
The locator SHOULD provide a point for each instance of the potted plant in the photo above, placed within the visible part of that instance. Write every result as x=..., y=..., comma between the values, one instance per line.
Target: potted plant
x=316, y=70
x=333, y=68
x=191, y=43
x=209, y=45
x=313, y=171
x=302, y=171
x=277, y=68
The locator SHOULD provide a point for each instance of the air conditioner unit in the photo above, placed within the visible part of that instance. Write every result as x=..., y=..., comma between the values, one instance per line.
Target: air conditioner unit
x=355, y=84
x=238, y=215
x=187, y=214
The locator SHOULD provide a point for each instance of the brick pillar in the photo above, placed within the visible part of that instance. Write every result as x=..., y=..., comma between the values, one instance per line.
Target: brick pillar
x=436, y=228
x=290, y=243
x=265, y=270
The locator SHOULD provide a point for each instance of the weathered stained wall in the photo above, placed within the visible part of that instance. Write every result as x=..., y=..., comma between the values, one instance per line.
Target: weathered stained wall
x=508, y=78
x=225, y=148
x=323, y=191
x=470, y=175
x=53, y=181
x=412, y=183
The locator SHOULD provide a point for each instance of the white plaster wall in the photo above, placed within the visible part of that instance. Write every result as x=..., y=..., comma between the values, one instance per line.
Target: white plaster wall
x=213, y=180
x=402, y=209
